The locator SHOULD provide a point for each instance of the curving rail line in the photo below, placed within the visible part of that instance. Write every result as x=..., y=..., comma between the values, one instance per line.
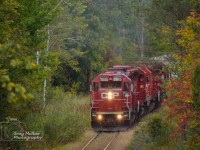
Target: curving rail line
x=111, y=141
x=93, y=138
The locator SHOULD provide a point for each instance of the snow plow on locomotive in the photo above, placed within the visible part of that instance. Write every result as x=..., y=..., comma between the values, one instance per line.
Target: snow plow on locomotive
x=123, y=93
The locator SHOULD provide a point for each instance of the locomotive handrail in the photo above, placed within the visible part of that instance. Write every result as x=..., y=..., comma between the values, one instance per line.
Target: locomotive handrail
x=110, y=100
x=137, y=94
x=92, y=100
x=128, y=105
x=141, y=91
x=155, y=89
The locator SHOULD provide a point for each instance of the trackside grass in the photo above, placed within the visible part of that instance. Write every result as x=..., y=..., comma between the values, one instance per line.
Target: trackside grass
x=63, y=120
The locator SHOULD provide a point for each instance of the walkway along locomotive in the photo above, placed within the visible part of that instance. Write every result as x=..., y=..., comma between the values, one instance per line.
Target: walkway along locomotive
x=123, y=93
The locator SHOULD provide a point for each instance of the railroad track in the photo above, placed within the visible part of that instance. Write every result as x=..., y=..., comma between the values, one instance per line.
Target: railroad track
x=104, y=147
x=111, y=140
x=116, y=134
x=114, y=137
x=91, y=140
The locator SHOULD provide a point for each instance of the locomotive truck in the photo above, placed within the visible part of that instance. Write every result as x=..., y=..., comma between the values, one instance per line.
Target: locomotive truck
x=122, y=94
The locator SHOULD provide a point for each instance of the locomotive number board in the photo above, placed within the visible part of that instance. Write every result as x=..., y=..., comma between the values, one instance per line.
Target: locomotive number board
x=114, y=79
x=104, y=79
x=117, y=79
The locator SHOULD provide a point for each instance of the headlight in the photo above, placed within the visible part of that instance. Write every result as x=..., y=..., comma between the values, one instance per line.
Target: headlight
x=99, y=117
x=119, y=117
x=110, y=95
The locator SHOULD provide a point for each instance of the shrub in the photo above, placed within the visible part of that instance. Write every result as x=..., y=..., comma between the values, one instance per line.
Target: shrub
x=61, y=127
x=154, y=133
x=158, y=129
x=63, y=120
x=196, y=88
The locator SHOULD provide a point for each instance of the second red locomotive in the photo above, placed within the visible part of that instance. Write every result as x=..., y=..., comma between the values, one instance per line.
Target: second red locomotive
x=121, y=94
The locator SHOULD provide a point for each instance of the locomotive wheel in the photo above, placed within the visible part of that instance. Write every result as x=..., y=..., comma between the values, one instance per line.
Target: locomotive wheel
x=152, y=106
x=136, y=117
x=133, y=118
x=140, y=112
x=146, y=108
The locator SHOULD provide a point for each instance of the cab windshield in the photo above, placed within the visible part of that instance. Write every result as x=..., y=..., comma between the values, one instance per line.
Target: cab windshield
x=111, y=85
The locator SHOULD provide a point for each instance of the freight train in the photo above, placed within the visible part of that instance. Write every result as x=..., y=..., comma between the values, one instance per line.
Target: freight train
x=122, y=94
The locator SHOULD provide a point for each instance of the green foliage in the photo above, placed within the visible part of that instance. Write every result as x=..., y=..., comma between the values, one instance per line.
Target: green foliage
x=61, y=130
x=11, y=91
x=164, y=19
x=91, y=36
x=196, y=88
x=8, y=16
x=75, y=87
x=64, y=119
x=22, y=32
x=66, y=37
x=193, y=135
x=153, y=132
x=157, y=128
x=186, y=99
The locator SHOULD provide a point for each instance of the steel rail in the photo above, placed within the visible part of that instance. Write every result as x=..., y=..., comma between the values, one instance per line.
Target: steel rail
x=111, y=141
x=92, y=139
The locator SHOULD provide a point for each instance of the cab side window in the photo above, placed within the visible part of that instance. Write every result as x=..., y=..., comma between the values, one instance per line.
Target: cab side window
x=126, y=86
x=95, y=86
x=141, y=79
x=147, y=79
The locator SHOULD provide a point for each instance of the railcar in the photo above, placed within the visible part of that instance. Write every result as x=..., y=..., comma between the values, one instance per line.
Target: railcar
x=122, y=94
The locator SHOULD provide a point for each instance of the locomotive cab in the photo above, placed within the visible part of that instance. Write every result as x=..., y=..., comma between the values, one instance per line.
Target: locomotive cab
x=111, y=99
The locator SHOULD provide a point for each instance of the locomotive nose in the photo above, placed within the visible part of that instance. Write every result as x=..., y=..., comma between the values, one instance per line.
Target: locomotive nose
x=110, y=95
x=110, y=101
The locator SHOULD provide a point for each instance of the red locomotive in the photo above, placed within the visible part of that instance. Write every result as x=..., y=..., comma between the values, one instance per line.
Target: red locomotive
x=123, y=93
